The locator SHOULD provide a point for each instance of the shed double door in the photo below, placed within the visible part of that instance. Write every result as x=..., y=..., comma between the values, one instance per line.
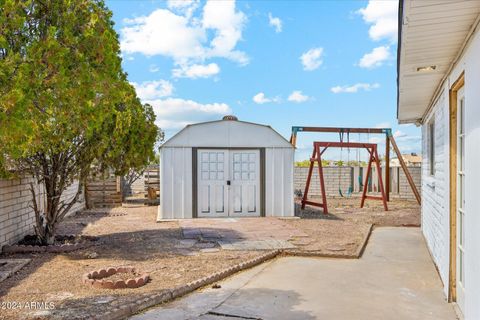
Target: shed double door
x=228, y=183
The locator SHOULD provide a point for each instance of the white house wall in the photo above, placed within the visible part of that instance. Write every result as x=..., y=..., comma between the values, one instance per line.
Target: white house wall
x=472, y=178
x=435, y=204
x=435, y=189
x=279, y=182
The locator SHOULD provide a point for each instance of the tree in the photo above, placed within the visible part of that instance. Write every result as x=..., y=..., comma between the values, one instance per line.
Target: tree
x=137, y=170
x=65, y=103
x=306, y=163
x=339, y=163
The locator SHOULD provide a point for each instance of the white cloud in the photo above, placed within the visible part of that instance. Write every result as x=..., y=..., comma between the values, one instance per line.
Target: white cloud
x=355, y=88
x=298, y=97
x=153, y=68
x=260, y=98
x=163, y=33
x=186, y=38
x=153, y=89
x=228, y=24
x=399, y=134
x=184, y=7
x=275, y=22
x=312, y=59
x=383, y=17
x=376, y=58
x=173, y=113
x=196, y=71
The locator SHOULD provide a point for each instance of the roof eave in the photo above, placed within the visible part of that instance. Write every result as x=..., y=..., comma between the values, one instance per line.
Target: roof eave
x=399, y=46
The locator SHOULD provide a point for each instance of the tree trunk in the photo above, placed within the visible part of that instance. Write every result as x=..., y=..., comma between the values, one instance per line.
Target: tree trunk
x=54, y=183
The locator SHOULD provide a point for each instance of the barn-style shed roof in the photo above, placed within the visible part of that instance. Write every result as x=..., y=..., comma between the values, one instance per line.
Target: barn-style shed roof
x=228, y=134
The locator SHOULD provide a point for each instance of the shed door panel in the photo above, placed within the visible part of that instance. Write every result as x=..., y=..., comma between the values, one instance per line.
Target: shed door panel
x=228, y=183
x=212, y=189
x=245, y=183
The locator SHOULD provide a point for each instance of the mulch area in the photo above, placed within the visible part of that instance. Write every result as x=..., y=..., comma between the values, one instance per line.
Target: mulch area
x=130, y=236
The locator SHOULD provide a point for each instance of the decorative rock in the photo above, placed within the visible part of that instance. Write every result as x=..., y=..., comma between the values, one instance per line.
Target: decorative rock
x=92, y=255
x=120, y=284
x=84, y=242
x=95, y=278
x=108, y=285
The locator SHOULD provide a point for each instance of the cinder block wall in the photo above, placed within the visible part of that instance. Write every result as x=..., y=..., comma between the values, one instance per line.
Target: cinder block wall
x=16, y=214
x=336, y=177
x=404, y=190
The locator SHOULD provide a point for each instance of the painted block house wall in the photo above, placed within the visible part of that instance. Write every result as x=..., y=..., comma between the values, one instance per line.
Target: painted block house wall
x=435, y=189
x=16, y=215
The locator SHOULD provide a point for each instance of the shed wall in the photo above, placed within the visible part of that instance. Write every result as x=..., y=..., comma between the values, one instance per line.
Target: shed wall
x=279, y=182
x=176, y=190
x=175, y=183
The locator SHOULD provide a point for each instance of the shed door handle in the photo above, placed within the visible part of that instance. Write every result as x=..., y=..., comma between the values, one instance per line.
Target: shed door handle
x=228, y=182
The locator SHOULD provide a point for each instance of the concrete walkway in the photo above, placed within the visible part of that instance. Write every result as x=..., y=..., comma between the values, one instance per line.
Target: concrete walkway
x=395, y=279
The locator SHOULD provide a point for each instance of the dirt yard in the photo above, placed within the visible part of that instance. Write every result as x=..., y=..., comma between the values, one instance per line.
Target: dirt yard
x=130, y=236
x=342, y=231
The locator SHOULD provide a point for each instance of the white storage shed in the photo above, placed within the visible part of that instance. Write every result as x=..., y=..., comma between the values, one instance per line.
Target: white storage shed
x=226, y=168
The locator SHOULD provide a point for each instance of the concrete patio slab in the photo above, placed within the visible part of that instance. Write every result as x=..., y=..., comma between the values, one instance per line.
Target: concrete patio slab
x=395, y=279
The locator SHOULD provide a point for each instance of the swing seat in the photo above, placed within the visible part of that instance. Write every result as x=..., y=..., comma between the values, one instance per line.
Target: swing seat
x=348, y=194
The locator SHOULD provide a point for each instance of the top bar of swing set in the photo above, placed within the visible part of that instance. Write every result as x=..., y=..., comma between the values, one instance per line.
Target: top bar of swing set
x=387, y=131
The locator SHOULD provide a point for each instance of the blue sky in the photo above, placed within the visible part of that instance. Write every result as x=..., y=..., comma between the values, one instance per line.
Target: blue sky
x=282, y=63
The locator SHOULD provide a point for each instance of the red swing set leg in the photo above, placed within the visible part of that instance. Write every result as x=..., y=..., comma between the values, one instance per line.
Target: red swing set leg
x=316, y=156
x=374, y=158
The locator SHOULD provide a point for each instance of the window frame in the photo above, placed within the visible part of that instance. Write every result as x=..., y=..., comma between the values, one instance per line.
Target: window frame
x=431, y=147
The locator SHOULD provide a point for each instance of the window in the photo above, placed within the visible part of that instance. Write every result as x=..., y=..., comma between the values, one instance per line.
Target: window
x=431, y=146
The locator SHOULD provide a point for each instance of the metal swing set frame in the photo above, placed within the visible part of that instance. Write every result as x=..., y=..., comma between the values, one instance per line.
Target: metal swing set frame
x=371, y=148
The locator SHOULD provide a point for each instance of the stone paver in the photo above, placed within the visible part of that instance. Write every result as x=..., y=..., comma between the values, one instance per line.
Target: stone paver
x=243, y=233
x=267, y=244
x=10, y=266
x=395, y=279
